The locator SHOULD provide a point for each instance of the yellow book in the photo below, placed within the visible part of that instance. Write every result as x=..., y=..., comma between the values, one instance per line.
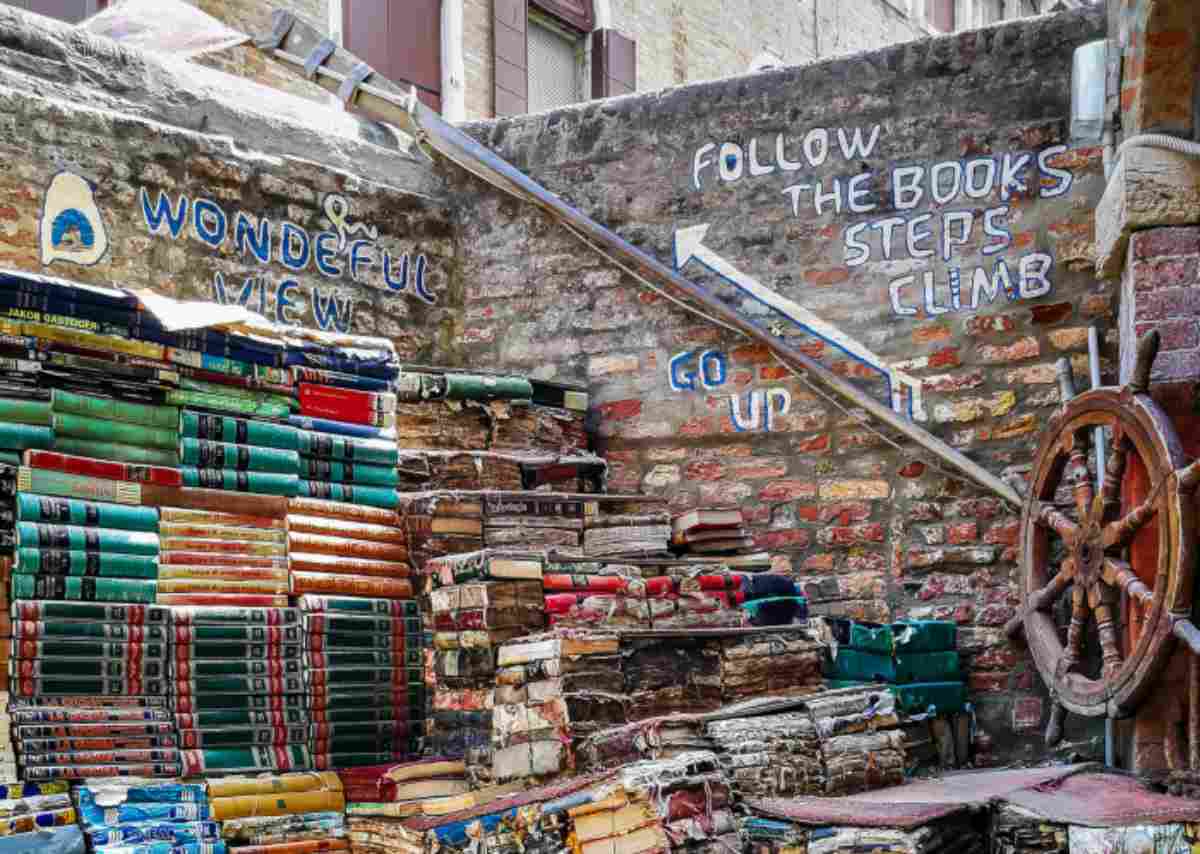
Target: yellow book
x=272, y=784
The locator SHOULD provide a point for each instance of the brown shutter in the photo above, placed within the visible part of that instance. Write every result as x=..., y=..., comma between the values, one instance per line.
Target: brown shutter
x=614, y=64
x=940, y=14
x=404, y=45
x=510, y=23
x=580, y=14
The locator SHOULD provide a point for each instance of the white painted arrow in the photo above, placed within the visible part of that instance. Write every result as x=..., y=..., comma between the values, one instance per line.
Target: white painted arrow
x=689, y=244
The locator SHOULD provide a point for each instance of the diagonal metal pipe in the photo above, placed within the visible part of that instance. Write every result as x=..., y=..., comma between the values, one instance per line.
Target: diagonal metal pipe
x=304, y=48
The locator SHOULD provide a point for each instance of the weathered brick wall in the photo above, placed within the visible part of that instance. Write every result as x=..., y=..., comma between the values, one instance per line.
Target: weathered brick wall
x=1161, y=291
x=871, y=532
x=195, y=194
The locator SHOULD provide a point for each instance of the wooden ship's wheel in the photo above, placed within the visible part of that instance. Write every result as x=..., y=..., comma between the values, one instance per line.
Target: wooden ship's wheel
x=1077, y=551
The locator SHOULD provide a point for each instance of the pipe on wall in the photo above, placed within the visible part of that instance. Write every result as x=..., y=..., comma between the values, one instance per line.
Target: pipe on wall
x=454, y=70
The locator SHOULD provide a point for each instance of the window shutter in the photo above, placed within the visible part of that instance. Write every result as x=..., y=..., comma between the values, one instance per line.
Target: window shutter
x=940, y=13
x=510, y=24
x=405, y=46
x=614, y=64
x=580, y=14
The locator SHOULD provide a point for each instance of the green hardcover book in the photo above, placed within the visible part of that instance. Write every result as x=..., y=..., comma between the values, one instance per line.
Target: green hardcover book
x=944, y=698
x=355, y=658
x=87, y=686
x=76, y=538
x=357, y=676
x=263, y=483
x=94, y=564
x=108, y=409
x=247, y=760
x=357, y=760
x=10, y=458
x=22, y=437
x=242, y=718
x=238, y=431
x=116, y=451
x=328, y=446
x=346, y=713
x=121, y=614
x=355, y=605
x=925, y=636
x=253, y=395
x=866, y=637
x=132, y=590
x=361, y=743
x=352, y=641
x=93, y=514
x=99, y=430
x=240, y=702
x=224, y=455
x=206, y=668
x=25, y=411
x=91, y=631
x=482, y=387
x=928, y=667
x=49, y=482
x=225, y=403
x=214, y=637
x=209, y=738
x=859, y=666
x=371, y=496
x=197, y=651
x=346, y=472
x=235, y=615
x=50, y=668
x=109, y=650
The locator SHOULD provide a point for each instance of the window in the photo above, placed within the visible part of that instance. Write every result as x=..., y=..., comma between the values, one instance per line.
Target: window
x=71, y=11
x=402, y=41
x=555, y=66
x=940, y=14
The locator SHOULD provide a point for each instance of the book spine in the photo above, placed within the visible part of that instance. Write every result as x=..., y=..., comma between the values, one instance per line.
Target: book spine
x=31, y=412
x=178, y=515
x=221, y=573
x=87, y=772
x=154, y=374
x=348, y=565
x=219, y=559
x=272, y=587
x=321, y=409
x=192, y=498
x=330, y=446
x=216, y=530
x=239, y=431
x=350, y=606
x=107, y=409
x=350, y=585
x=66, y=511
x=350, y=624
x=51, y=461
x=319, y=376
x=21, y=437
x=125, y=667
x=77, y=486
x=223, y=455
x=240, y=718
x=340, y=428
x=228, y=403
x=235, y=615
x=98, y=430
x=227, y=547
x=263, y=483
x=115, y=687
x=345, y=399
x=334, y=677
x=92, y=342
x=255, y=759
x=192, y=739
x=235, y=702
x=334, y=640
x=341, y=529
x=133, y=615
x=325, y=509
x=208, y=362
x=313, y=468
x=372, y=496
x=482, y=387
x=189, y=636
x=309, y=846
x=246, y=389
x=80, y=563
x=358, y=658
x=74, y=538
x=238, y=685
x=184, y=669
x=228, y=650
x=316, y=544
x=83, y=589
x=39, y=629
x=116, y=451
x=223, y=600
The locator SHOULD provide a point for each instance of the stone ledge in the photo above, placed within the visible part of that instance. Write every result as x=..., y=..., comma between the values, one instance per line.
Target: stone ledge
x=1151, y=187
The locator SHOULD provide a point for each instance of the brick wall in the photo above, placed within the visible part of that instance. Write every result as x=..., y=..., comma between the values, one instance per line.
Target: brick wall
x=870, y=531
x=1161, y=290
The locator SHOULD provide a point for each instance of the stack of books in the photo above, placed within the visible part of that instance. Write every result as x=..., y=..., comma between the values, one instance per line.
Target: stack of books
x=710, y=531
x=616, y=534
x=769, y=665
x=428, y=787
x=690, y=795
x=237, y=707
x=33, y=816
x=365, y=679
x=239, y=454
x=613, y=600
x=647, y=739
x=130, y=813
x=441, y=523
x=478, y=601
x=79, y=667
x=946, y=832
x=675, y=675
x=336, y=548
x=276, y=804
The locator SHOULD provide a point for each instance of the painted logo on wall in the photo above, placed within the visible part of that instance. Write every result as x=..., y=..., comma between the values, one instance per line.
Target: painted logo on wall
x=347, y=249
x=71, y=228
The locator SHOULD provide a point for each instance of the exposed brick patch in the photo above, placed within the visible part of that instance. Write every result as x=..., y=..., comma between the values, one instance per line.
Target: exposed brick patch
x=962, y=533
x=1046, y=315
x=1158, y=242
x=621, y=410
x=988, y=324
x=788, y=490
x=1024, y=348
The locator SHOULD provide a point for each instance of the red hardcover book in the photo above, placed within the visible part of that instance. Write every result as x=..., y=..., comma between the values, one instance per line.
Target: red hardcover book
x=107, y=469
x=636, y=587
x=344, y=404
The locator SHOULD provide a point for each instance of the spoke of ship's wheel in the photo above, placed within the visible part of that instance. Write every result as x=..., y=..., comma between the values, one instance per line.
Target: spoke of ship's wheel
x=1120, y=575
x=1079, y=615
x=1120, y=532
x=1103, y=601
x=1114, y=473
x=1053, y=519
x=1078, y=476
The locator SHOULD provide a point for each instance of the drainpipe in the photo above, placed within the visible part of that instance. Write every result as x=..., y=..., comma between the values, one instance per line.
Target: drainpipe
x=454, y=73
x=816, y=29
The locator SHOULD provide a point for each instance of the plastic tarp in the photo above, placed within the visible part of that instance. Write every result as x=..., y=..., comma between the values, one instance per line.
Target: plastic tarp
x=163, y=26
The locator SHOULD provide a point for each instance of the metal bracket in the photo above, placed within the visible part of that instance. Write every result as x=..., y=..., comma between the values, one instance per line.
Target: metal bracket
x=354, y=79
x=281, y=24
x=320, y=53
